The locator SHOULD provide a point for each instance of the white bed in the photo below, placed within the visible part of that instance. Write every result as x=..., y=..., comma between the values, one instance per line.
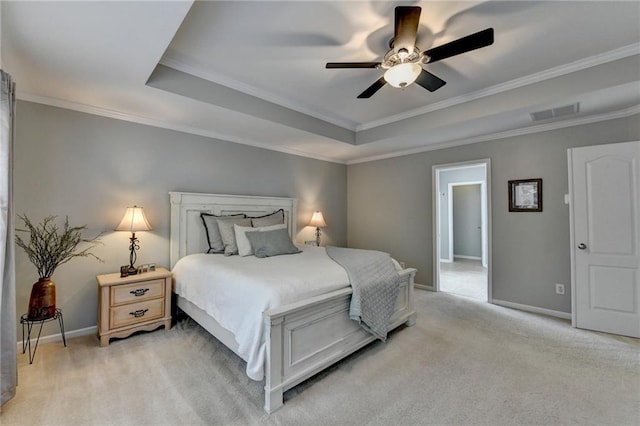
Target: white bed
x=301, y=338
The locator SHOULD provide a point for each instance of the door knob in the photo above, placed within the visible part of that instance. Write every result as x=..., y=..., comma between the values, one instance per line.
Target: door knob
x=582, y=246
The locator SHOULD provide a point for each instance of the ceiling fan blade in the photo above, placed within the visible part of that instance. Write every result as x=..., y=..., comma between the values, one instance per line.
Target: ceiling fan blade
x=406, y=27
x=465, y=44
x=352, y=65
x=371, y=90
x=430, y=81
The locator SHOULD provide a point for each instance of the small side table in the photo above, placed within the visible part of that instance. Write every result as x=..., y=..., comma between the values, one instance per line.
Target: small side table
x=29, y=323
x=140, y=302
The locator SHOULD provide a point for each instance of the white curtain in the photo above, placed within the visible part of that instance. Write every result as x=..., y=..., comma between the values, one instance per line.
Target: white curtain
x=8, y=340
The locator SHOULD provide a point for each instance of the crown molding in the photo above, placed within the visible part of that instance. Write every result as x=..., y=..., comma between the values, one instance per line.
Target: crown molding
x=628, y=112
x=183, y=65
x=104, y=112
x=581, y=64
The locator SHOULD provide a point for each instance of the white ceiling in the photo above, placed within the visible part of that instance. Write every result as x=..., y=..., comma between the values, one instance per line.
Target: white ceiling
x=253, y=72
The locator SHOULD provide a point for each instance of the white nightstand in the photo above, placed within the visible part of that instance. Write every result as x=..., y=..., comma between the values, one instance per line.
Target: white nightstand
x=133, y=303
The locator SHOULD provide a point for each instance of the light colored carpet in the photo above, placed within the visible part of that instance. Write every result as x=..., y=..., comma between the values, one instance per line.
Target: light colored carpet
x=464, y=277
x=464, y=363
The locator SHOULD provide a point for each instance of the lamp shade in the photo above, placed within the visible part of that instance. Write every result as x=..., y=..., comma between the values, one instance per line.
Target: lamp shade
x=134, y=220
x=402, y=75
x=317, y=220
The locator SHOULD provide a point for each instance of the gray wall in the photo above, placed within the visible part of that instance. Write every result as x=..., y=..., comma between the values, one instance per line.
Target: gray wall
x=90, y=168
x=468, y=174
x=390, y=208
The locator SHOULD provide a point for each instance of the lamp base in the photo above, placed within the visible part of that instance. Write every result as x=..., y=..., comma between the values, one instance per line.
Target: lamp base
x=133, y=246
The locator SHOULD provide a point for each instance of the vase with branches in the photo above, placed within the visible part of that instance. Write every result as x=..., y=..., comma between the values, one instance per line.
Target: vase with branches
x=48, y=247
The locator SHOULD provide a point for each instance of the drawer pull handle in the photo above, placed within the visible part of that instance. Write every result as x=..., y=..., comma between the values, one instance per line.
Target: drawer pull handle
x=139, y=291
x=139, y=313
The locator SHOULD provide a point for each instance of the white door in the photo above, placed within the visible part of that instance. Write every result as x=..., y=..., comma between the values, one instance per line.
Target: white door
x=604, y=184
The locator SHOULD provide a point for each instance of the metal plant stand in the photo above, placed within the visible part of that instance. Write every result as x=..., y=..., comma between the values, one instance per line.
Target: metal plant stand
x=29, y=323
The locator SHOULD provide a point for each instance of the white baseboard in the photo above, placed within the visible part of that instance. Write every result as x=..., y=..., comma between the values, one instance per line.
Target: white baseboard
x=446, y=261
x=512, y=305
x=534, y=309
x=459, y=256
x=58, y=337
x=423, y=287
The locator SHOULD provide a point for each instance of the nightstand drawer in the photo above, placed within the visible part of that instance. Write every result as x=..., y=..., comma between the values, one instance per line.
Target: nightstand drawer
x=134, y=313
x=136, y=292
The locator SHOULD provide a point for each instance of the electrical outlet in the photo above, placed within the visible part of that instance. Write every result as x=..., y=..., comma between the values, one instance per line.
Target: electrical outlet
x=559, y=288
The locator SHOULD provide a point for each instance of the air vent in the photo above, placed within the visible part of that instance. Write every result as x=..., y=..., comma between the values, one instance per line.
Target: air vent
x=562, y=111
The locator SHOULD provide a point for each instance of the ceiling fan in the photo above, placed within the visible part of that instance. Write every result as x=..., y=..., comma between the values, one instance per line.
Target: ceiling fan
x=403, y=62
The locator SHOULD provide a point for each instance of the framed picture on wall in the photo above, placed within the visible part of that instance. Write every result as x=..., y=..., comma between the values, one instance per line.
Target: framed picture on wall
x=525, y=195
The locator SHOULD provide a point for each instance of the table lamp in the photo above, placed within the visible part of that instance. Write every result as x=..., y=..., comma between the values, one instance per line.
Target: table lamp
x=133, y=220
x=317, y=220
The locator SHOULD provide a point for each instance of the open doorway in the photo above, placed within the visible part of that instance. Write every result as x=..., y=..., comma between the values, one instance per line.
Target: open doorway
x=462, y=229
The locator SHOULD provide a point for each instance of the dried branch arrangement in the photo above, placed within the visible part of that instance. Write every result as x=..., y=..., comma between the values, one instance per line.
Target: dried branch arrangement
x=49, y=246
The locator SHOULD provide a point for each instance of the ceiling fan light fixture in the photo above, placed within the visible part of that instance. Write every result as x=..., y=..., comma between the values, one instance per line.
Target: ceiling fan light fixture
x=403, y=61
x=402, y=75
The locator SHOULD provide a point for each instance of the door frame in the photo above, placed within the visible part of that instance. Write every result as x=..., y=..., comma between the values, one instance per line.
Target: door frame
x=483, y=218
x=435, y=191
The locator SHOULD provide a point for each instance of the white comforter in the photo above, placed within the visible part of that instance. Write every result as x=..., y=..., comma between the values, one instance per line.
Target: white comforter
x=237, y=290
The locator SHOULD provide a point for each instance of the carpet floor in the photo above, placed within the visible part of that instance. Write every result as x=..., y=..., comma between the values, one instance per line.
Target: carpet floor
x=464, y=363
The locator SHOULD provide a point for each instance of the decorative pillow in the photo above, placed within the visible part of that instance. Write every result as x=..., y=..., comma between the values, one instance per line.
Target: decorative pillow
x=271, y=243
x=228, y=235
x=274, y=218
x=210, y=222
x=244, y=246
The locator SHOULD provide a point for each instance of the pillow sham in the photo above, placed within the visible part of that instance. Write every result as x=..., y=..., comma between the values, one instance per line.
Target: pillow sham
x=228, y=235
x=210, y=222
x=271, y=243
x=274, y=218
x=244, y=246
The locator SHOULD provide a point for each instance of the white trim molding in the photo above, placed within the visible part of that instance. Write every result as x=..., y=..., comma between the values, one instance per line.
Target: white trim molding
x=460, y=256
x=627, y=112
x=581, y=64
x=534, y=309
x=51, y=338
x=181, y=63
x=423, y=287
x=138, y=119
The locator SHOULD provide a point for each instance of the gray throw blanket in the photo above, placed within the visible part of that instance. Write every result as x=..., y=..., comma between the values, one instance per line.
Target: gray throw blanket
x=374, y=281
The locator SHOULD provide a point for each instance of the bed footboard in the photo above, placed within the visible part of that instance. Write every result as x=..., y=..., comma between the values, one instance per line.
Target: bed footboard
x=305, y=338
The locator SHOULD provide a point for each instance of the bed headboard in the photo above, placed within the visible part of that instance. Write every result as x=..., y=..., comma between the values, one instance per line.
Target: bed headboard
x=187, y=232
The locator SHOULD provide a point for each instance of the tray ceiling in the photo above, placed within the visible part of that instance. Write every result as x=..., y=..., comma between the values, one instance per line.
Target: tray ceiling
x=253, y=72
